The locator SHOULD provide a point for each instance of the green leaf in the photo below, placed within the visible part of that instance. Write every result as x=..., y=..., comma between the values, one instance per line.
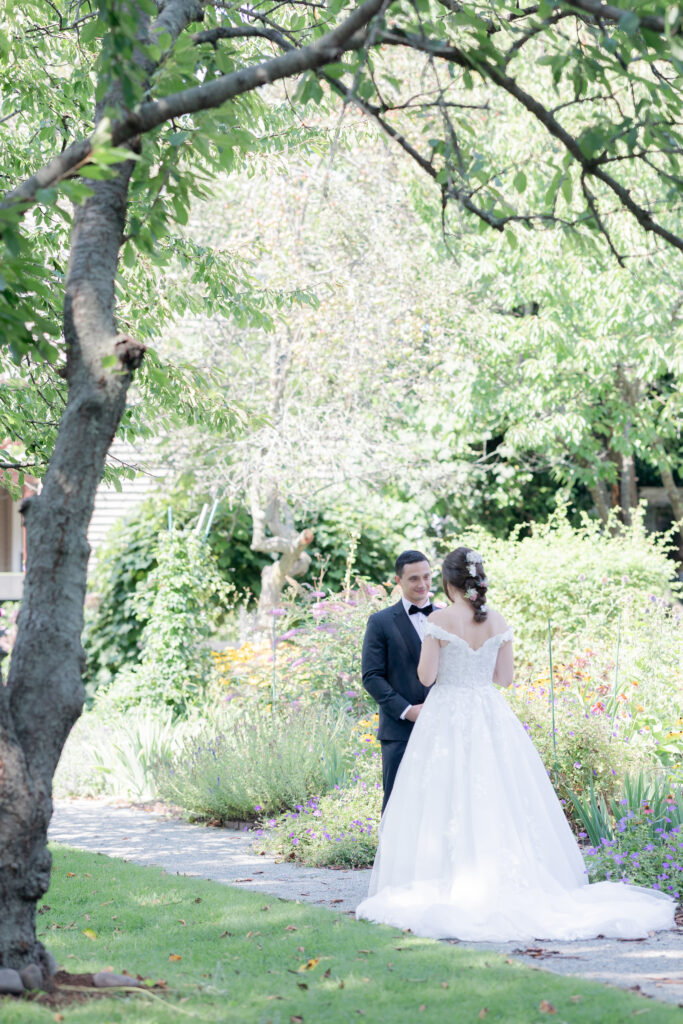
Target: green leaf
x=337, y=70
x=97, y=173
x=91, y=30
x=511, y=238
x=629, y=22
x=519, y=181
x=566, y=186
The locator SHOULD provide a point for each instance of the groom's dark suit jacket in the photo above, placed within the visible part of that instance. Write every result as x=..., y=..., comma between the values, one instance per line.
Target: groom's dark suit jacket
x=391, y=651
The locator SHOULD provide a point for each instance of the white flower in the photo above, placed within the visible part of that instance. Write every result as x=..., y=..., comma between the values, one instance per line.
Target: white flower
x=484, y=608
x=473, y=570
x=473, y=557
x=471, y=594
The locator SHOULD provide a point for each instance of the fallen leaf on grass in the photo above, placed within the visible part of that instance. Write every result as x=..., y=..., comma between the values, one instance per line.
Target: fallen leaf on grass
x=327, y=973
x=310, y=964
x=90, y=934
x=422, y=1008
x=71, y=874
x=444, y=984
x=482, y=1013
x=336, y=901
x=275, y=997
x=174, y=956
x=180, y=921
x=365, y=951
x=103, y=904
x=198, y=899
x=575, y=999
x=290, y=928
x=225, y=935
x=250, y=935
x=546, y=1007
x=300, y=949
x=58, y=1017
x=301, y=984
x=296, y=1020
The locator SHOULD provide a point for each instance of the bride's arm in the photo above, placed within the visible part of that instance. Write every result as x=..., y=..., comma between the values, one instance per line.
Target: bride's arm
x=505, y=667
x=428, y=665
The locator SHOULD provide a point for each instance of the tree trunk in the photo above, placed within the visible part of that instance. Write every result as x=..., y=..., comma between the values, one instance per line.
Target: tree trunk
x=44, y=694
x=675, y=497
x=293, y=562
x=601, y=500
x=628, y=487
x=275, y=516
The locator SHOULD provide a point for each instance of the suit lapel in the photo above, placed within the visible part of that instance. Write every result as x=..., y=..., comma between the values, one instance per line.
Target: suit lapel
x=407, y=631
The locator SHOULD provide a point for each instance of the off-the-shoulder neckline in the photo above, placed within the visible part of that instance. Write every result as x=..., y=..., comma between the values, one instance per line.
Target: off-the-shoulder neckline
x=474, y=650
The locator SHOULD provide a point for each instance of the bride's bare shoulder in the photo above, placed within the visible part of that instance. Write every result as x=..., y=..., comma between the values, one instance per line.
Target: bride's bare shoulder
x=440, y=617
x=497, y=621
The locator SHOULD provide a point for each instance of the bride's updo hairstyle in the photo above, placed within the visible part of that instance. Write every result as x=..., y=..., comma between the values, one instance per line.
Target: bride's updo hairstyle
x=464, y=570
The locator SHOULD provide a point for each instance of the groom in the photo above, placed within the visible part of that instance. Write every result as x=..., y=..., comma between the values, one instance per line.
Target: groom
x=391, y=651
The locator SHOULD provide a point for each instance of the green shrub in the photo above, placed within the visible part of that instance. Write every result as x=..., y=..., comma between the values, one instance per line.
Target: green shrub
x=335, y=830
x=175, y=603
x=589, y=750
x=253, y=762
x=638, y=856
x=656, y=796
x=338, y=829
x=582, y=578
x=113, y=756
x=115, y=619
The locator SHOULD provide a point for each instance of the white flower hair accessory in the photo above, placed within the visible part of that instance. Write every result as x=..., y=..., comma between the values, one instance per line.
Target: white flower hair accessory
x=471, y=594
x=473, y=558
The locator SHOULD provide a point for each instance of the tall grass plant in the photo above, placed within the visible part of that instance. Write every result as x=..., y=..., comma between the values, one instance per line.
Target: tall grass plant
x=252, y=762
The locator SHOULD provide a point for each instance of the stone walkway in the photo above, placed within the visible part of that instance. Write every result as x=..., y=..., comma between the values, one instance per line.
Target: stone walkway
x=653, y=965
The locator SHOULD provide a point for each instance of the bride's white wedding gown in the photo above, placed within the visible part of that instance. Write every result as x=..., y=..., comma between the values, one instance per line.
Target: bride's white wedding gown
x=473, y=843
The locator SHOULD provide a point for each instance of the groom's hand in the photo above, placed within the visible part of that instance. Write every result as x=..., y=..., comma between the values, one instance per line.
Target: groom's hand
x=413, y=713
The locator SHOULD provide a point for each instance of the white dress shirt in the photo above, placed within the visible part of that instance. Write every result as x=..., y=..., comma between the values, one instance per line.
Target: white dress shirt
x=419, y=622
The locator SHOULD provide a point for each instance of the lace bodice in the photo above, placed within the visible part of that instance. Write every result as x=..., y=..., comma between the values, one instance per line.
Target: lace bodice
x=461, y=665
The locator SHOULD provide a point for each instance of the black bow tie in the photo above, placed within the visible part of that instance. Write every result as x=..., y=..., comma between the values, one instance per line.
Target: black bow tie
x=427, y=610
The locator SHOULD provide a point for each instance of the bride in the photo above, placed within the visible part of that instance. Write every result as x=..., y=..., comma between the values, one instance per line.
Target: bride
x=473, y=843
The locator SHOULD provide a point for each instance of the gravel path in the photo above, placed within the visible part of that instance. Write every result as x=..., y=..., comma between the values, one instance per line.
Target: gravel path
x=654, y=965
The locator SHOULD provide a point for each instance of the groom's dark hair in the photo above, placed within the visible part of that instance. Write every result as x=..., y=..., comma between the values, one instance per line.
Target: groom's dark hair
x=407, y=558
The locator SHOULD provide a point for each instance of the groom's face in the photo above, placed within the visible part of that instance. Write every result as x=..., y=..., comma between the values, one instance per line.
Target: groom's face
x=415, y=581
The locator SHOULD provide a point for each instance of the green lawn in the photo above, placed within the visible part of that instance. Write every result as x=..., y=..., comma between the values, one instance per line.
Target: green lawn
x=228, y=955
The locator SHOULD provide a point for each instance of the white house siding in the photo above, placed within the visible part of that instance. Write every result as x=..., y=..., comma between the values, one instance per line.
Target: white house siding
x=112, y=504
x=11, y=547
